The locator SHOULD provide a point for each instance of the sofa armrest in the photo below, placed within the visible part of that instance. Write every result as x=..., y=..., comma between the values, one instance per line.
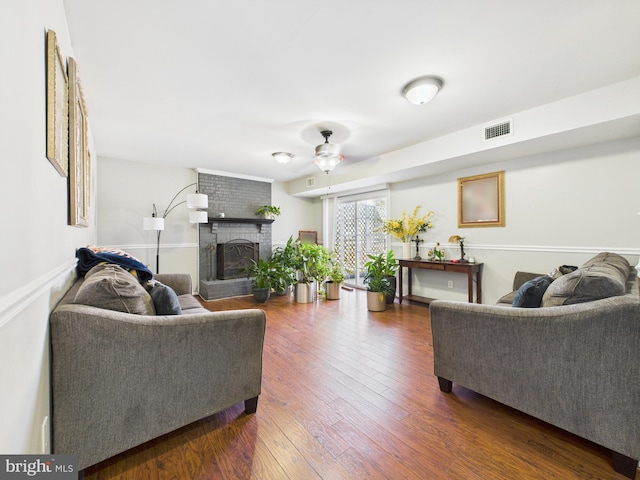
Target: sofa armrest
x=521, y=278
x=179, y=282
x=573, y=366
x=119, y=380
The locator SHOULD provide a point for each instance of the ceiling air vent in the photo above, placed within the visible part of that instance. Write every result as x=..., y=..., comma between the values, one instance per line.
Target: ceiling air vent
x=498, y=130
x=311, y=182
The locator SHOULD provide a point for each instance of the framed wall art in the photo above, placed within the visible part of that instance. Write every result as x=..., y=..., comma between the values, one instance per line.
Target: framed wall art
x=481, y=200
x=79, y=179
x=57, y=107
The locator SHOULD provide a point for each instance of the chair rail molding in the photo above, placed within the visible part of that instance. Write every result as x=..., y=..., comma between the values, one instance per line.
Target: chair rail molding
x=16, y=301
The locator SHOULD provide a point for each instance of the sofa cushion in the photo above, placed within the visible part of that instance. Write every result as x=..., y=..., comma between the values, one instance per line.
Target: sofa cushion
x=164, y=298
x=613, y=259
x=111, y=287
x=592, y=282
x=529, y=295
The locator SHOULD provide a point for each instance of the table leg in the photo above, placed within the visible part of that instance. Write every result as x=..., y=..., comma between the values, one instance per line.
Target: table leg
x=400, y=283
x=470, y=286
x=478, y=287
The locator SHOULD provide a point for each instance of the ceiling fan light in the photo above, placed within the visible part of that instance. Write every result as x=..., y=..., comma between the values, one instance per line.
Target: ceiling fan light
x=282, y=157
x=327, y=163
x=422, y=90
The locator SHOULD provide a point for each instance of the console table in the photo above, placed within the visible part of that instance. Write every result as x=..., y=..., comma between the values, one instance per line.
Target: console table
x=470, y=269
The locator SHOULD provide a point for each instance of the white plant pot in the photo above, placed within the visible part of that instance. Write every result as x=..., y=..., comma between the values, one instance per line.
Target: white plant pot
x=376, y=302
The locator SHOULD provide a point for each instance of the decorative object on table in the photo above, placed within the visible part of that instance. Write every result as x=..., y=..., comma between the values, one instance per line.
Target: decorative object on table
x=377, y=281
x=418, y=242
x=57, y=107
x=437, y=253
x=405, y=228
x=481, y=200
x=196, y=201
x=460, y=241
x=268, y=211
x=79, y=179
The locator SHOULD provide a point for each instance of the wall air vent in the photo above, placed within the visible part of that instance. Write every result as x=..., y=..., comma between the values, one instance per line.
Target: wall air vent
x=311, y=182
x=498, y=130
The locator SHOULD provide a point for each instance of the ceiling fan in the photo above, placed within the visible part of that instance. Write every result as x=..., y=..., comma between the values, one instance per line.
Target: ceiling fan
x=327, y=155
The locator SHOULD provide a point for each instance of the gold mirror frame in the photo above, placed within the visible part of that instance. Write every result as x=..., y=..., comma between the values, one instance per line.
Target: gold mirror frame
x=481, y=200
x=57, y=107
x=78, y=152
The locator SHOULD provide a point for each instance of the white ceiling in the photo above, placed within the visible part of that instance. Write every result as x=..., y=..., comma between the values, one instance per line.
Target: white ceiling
x=221, y=85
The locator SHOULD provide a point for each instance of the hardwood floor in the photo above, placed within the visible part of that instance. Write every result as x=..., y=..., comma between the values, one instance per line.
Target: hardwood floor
x=350, y=394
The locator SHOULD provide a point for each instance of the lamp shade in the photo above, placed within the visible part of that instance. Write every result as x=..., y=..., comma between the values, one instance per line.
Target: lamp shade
x=198, y=216
x=153, y=223
x=422, y=90
x=197, y=200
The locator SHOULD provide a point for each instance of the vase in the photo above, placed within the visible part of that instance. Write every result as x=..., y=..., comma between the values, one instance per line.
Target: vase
x=406, y=250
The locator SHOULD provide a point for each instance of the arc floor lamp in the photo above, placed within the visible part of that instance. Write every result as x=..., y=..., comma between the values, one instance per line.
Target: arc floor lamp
x=199, y=202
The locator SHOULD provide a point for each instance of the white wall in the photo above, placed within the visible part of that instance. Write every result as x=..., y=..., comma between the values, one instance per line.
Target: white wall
x=561, y=208
x=128, y=191
x=297, y=214
x=38, y=247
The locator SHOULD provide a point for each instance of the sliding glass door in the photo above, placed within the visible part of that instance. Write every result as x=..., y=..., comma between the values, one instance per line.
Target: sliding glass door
x=359, y=232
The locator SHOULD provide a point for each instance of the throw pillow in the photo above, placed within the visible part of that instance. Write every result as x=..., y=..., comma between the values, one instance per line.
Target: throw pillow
x=589, y=283
x=164, y=299
x=529, y=295
x=111, y=287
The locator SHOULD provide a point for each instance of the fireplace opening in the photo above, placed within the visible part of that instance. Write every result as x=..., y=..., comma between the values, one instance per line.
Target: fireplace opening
x=234, y=257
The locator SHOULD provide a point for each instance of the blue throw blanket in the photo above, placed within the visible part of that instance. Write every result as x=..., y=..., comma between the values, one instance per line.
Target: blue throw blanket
x=89, y=257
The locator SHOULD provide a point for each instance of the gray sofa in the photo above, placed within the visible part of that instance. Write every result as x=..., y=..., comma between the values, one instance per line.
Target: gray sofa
x=574, y=362
x=120, y=379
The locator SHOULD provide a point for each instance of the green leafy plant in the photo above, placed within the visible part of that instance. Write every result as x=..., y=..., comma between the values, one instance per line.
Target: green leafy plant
x=336, y=273
x=283, y=262
x=262, y=272
x=312, y=262
x=265, y=210
x=376, y=277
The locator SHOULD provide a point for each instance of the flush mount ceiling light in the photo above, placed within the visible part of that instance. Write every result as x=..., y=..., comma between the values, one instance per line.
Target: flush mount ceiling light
x=282, y=157
x=422, y=89
x=327, y=155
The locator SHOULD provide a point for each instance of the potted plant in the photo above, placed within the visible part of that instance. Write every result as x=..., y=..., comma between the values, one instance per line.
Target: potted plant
x=378, y=285
x=334, y=281
x=283, y=261
x=391, y=267
x=312, y=264
x=268, y=211
x=262, y=272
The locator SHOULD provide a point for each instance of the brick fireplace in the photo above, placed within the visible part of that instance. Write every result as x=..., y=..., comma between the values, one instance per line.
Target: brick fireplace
x=239, y=233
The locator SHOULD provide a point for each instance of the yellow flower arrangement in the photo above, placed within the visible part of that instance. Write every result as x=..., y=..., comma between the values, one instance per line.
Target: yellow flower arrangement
x=406, y=227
